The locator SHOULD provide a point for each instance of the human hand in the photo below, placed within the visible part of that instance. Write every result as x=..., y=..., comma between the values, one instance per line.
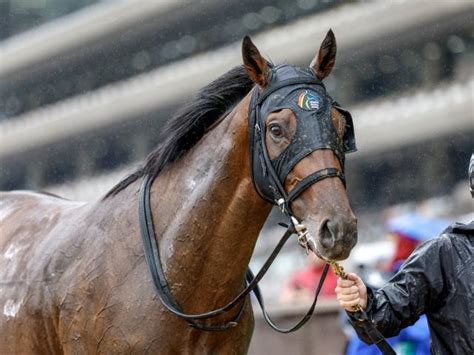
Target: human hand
x=351, y=292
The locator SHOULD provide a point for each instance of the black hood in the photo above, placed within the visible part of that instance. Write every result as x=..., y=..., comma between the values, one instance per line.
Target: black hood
x=300, y=91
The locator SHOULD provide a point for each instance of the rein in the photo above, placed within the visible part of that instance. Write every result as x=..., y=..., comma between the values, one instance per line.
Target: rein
x=267, y=183
x=268, y=177
x=361, y=316
x=153, y=259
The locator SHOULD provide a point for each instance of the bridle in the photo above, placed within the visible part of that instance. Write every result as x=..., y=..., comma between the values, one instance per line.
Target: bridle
x=163, y=290
x=268, y=177
x=288, y=88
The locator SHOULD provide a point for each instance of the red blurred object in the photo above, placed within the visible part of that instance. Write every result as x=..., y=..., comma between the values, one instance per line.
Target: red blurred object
x=307, y=279
x=405, y=246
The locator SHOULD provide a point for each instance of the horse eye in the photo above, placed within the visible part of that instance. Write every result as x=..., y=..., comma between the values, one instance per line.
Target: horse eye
x=276, y=131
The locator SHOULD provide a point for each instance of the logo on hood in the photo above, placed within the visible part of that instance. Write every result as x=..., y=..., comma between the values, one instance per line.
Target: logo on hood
x=308, y=101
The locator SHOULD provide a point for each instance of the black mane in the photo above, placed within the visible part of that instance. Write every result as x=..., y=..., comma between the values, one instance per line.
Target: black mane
x=191, y=122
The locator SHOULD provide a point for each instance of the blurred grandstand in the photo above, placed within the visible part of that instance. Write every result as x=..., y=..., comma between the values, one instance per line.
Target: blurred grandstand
x=85, y=87
x=85, y=91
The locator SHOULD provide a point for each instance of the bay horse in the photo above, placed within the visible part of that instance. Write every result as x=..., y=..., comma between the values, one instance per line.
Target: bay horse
x=73, y=277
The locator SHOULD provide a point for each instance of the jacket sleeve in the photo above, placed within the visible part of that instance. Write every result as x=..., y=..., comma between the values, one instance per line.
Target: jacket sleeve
x=414, y=290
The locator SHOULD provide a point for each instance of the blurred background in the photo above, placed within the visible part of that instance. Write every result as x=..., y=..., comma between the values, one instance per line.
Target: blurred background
x=86, y=86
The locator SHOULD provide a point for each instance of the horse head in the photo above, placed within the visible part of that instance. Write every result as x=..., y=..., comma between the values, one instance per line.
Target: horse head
x=298, y=138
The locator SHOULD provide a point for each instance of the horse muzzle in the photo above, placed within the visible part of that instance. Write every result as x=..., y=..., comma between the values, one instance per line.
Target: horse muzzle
x=336, y=237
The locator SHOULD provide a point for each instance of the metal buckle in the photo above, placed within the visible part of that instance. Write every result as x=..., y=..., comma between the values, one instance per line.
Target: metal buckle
x=281, y=205
x=304, y=238
x=257, y=128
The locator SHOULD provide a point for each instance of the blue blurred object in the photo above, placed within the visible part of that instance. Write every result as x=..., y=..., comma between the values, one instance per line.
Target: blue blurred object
x=417, y=227
x=413, y=340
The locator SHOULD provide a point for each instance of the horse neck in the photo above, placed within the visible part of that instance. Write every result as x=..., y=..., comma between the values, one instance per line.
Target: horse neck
x=207, y=216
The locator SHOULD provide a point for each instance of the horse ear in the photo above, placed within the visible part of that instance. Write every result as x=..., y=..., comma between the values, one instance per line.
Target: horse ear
x=255, y=64
x=323, y=63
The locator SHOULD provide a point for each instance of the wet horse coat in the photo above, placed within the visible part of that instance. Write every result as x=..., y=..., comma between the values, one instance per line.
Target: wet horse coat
x=78, y=281
x=73, y=275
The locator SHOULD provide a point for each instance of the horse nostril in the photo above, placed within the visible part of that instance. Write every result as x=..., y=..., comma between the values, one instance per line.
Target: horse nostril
x=333, y=227
x=337, y=236
x=326, y=235
x=338, y=230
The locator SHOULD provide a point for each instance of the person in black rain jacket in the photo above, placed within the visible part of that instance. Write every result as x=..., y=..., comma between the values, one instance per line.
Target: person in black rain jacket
x=436, y=280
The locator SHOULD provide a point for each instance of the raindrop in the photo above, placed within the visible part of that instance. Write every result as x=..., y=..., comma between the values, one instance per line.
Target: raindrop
x=12, y=106
x=270, y=14
x=409, y=58
x=169, y=51
x=34, y=99
x=252, y=21
x=331, y=83
x=366, y=71
x=231, y=28
x=141, y=60
x=387, y=64
x=431, y=51
x=186, y=44
x=455, y=44
x=307, y=4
